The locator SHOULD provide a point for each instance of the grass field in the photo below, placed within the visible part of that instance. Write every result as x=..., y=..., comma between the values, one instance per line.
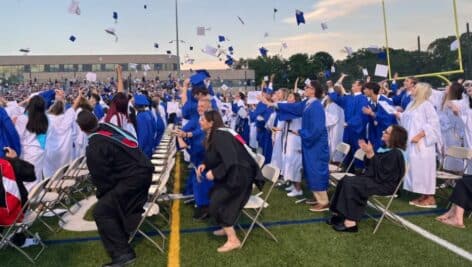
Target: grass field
x=304, y=240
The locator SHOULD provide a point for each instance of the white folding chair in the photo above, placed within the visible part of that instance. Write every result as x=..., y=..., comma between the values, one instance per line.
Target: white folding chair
x=30, y=212
x=456, y=152
x=385, y=209
x=257, y=203
x=342, y=149
x=336, y=176
x=260, y=159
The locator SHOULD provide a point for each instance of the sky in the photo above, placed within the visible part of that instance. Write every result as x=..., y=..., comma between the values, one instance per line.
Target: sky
x=44, y=26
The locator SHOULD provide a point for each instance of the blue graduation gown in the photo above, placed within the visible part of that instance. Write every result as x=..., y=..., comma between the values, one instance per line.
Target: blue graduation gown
x=8, y=134
x=160, y=128
x=49, y=96
x=356, y=121
x=242, y=124
x=98, y=111
x=264, y=136
x=314, y=136
x=146, y=131
x=402, y=100
x=380, y=123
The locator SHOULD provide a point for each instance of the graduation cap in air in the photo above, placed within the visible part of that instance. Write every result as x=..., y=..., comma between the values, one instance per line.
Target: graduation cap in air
x=115, y=16
x=72, y=38
x=299, y=17
x=324, y=26
x=231, y=50
x=191, y=48
x=25, y=50
x=229, y=61
x=168, y=52
x=145, y=6
x=210, y=50
x=327, y=74
x=266, y=34
x=382, y=55
x=74, y=8
x=263, y=51
x=111, y=31
x=201, y=30
x=241, y=20
x=348, y=50
x=221, y=38
x=156, y=45
x=454, y=45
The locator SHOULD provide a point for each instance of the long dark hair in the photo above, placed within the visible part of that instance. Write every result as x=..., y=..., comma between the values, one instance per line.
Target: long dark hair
x=215, y=117
x=119, y=104
x=398, y=137
x=37, y=119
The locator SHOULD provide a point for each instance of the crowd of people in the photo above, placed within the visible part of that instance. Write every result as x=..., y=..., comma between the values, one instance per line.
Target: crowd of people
x=404, y=130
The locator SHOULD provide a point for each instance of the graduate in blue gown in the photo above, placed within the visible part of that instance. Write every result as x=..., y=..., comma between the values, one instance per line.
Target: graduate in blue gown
x=379, y=118
x=160, y=124
x=192, y=138
x=314, y=136
x=260, y=115
x=356, y=120
x=242, y=117
x=8, y=134
x=97, y=108
x=403, y=98
x=146, y=125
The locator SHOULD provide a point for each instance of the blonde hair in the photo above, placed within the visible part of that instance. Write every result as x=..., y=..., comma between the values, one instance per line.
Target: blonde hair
x=423, y=92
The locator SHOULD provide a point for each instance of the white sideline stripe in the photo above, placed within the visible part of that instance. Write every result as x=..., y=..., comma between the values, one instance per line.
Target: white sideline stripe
x=444, y=243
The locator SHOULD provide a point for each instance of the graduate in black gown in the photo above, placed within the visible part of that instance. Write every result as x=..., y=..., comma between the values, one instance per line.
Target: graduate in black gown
x=461, y=199
x=384, y=171
x=231, y=164
x=122, y=175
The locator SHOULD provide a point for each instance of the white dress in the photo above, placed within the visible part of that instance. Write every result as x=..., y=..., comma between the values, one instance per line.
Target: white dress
x=31, y=150
x=335, y=126
x=292, y=151
x=125, y=124
x=421, y=176
x=59, y=147
x=466, y=119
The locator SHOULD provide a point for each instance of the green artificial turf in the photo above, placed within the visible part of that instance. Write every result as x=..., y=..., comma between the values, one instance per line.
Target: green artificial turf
x=303, y=241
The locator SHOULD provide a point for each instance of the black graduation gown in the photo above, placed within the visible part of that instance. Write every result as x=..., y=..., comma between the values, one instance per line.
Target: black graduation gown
x=383, y=173
x=462, y=193
x=122, y=175
x=234, y=171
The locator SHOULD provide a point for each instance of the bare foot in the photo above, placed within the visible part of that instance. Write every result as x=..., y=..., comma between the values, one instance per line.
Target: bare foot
x=219, y=232
x=228, y=246
x=452, y=222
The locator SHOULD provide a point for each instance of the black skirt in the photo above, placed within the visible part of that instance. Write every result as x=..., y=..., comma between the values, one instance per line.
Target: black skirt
x=462, y=193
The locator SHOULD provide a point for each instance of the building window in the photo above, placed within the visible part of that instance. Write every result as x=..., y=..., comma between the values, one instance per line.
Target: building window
x=52, y=68
x=174, y=66
x=96, y=67
x=27, y=68
x=108, y=67
x=124, y=67
x=78, y=67
x=158, y=66
x=87, y=67
x=69, y=68
x=37, y=68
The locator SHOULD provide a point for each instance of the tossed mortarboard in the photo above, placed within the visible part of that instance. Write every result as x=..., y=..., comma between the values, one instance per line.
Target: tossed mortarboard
x=72, y=38
x=327, y=73
x=210, y=50
x=111, y=31
x=156, y=45
x=382, y=55
x=263, y=51
x=333, y=69
x=25, y=50
x=454, y=45
x=141, y=100
x=324, y=26
x=168, y=52
x=221, y=38
x=191, y=48
x=348, y=50
x=115, y=16
x=201, y=31
x=229, y=60
x=145, y=6
x=231, y=50
x=266, y=34
x=299, y=17
x=275, y=11
x=74, y=8
x=146, y=67
x=241, y=20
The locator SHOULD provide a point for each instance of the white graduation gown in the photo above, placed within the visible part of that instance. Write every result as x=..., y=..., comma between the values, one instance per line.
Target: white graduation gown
x=59, y=147
x=125, y=124
x=452, y=131
x=421, y=177
x=253, y=135
x=335, y=125
x=466, y=120
x=79, y=139
x=277, y=153
x=31, y=150
x=292, y=151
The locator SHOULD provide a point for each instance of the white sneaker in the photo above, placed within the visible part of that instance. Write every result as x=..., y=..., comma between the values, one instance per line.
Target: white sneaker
x=295, y=193
x=290, y=188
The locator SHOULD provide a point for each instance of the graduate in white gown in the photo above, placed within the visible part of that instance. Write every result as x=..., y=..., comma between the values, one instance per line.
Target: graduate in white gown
x=292, y=151
x=59, y=145
x=422, y=123
x=276, y=126
x=334, y=121
x=32, y=128
x=464, y=111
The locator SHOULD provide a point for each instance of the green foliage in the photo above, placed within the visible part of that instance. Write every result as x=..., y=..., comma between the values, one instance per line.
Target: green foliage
x=436, y=58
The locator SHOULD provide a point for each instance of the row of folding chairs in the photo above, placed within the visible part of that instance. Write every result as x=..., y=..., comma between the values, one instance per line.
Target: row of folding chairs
x=163, y=160
x=43, y=198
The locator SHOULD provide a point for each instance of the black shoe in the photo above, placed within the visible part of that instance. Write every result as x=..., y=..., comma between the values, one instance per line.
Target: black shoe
x=335, y=219
x=201, y=213
x=343, y=228
x=121, y=260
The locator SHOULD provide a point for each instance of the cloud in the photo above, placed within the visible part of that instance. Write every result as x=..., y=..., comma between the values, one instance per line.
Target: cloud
x=326, y=10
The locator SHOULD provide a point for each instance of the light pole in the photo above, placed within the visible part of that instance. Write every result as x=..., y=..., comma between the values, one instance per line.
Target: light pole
x=177, y=37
